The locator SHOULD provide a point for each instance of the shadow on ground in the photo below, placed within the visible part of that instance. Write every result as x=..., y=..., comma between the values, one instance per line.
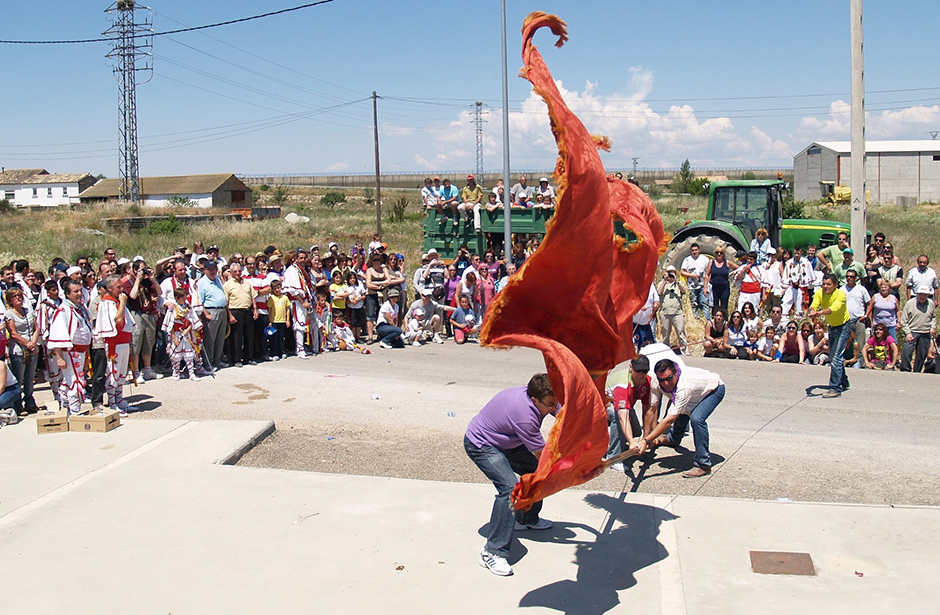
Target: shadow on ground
x=627, y=543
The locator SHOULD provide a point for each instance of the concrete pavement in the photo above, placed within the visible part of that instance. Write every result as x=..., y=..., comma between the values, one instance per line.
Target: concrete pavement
x=145, y=519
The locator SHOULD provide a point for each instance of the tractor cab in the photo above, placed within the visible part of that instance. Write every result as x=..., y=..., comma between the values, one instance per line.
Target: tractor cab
x=748, y=205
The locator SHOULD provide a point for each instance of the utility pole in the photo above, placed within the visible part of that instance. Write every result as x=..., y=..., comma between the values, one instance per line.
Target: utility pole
x=859, y=218
x=507, y=209
x=131, y=54
x=378, y=182
x=478, y=122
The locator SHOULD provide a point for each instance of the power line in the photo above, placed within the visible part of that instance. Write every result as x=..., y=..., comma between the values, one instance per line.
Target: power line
x=179, y=31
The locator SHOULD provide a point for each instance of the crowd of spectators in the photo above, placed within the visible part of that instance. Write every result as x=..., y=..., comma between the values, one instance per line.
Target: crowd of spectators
x=784, y=312
x=195, y=312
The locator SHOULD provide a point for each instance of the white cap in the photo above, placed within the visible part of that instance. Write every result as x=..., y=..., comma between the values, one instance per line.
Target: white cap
x=544, y=179
x=434, y=252
x=331, y=244
x=427, y=292
x=123, y=261
x=138, y=258
x=73, y=269
x=923, y=289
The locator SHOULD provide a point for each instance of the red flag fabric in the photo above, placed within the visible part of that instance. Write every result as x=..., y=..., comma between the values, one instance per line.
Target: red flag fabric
x=575, y=297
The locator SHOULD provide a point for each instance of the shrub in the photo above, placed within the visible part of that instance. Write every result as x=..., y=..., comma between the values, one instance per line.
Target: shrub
x=698, y=186
x=134, y=209
x=330, y=199
x=399, y=205
x=180, y=201
x=749, y=175
x=170, y=226
x=682, y=181
x=6, y=207
x=369, y=195
x=654, y=190
x=279, y=196
x=264, y=187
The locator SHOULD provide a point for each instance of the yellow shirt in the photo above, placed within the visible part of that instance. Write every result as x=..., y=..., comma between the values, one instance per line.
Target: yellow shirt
x=339, y=304
x=278, y=308
x=835, y=302
x=240, y=296
x=472, y=195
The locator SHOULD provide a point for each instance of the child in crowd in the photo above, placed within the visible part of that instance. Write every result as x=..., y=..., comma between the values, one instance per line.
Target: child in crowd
x=753, y=339
x=414, y=329
x=463, y=321
x=767, y=346
x=881, y=351
x=338, y=291
x=279, y=318
x=320, y=323
x=341, y=336
x=355, y=301
x=180, y=325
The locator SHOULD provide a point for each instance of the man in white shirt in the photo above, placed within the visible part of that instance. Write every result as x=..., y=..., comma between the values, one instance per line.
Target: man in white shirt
x=693, y=268
x=692, y=395
x=922, y=275
x=856, y=300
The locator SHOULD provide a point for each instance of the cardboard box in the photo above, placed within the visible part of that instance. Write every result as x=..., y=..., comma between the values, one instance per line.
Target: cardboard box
x=52, y=421
x=99, y=422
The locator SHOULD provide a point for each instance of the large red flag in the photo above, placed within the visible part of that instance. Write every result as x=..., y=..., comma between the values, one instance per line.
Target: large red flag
x=575, y=297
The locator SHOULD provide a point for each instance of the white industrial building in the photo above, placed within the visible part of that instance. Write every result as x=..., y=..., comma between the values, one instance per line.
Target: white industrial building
x=893, y=169
x=39, y=188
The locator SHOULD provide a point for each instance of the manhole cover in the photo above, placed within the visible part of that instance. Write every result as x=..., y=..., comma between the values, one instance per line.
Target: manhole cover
x=781, y=562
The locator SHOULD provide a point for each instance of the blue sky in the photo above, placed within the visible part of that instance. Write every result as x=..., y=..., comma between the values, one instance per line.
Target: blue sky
x=723, y=83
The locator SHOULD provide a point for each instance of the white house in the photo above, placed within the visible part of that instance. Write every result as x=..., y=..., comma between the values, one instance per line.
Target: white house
x=39, y=188
x=892, y=169
x=219, y=190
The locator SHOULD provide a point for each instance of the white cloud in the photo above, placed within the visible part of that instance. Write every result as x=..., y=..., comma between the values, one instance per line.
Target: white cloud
x=338, y=166
x=659, y=139
x=908, y=123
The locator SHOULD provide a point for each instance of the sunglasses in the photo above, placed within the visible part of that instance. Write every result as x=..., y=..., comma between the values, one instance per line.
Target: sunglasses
x=665, y=379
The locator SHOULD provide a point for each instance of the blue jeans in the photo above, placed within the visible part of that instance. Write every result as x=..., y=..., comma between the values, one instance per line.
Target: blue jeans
x=697, y=418
x=699, y=302
x=10, y=398
x=501, y=467
x=390, y=334
x=617, y=438
x=25, y=372
x=838, y=338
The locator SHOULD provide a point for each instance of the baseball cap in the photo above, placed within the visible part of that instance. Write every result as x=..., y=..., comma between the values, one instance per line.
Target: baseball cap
x=427, y=292
x=211, y=264
x=544, y=179
x=138, y=258
x=202, y=257
x=437, y=179
x=469, y=177
x=212, y=247
x=394, y=292
x=315, y=248
x=848, y=251
x=123, y=261
x=923, y=289
x=331, y=244
x=434, y=252
x=670, y=268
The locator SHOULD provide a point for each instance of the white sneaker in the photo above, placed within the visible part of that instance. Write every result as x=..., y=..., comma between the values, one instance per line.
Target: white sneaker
x=437, y=339
x=149, y=374
x=416, y=343
x=303, y=355
x=275, y=358
x=541, y=524
x=284, y=356
x=176, y=376
x=382, y=344
x=194, y=378
x=495, y=563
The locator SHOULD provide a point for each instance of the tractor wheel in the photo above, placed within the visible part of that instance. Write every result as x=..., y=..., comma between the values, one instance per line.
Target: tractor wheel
x=707, y=243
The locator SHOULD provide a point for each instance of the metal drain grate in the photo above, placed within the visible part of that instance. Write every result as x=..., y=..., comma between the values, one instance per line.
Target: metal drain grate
x=781, y=562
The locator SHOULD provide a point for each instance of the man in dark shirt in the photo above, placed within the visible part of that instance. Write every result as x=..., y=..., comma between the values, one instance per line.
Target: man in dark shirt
x=142, y=293
x=504, y=439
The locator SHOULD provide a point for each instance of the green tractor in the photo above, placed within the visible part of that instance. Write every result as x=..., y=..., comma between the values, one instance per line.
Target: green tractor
x=736, y=209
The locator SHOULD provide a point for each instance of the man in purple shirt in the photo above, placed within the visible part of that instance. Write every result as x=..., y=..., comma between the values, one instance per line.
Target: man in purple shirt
x=505, y=439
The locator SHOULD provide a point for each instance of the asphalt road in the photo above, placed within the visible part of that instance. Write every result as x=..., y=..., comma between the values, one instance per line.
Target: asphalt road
x=769, y=438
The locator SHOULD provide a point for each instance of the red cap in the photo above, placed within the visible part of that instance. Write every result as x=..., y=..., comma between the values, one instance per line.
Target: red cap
x=469, y=177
